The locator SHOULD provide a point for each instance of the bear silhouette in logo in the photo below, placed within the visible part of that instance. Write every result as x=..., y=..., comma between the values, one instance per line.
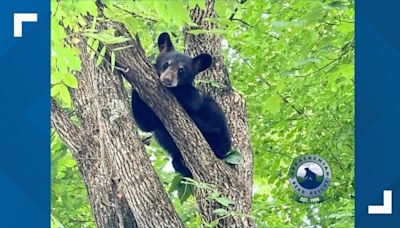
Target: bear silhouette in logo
x=310, y=179
x=310, y=175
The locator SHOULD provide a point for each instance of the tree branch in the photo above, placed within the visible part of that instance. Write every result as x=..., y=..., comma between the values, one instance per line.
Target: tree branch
x=67, y=130
x=133, y=13
x=234, y=182
x=196, y=152
x=238, y=189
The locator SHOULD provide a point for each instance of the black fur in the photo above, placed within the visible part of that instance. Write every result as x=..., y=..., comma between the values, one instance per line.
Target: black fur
x=177, y=68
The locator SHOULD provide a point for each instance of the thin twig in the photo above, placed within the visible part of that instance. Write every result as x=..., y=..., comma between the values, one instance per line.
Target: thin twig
x=55, y=12
x=134, y=14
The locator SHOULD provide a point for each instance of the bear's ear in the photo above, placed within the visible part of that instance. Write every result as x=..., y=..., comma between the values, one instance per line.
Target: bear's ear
x=202, y=62
x=164, y=43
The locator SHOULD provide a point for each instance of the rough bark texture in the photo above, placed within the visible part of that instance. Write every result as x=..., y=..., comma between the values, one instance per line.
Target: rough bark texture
x=234, y=107
x=99, y=188
x=122, y=186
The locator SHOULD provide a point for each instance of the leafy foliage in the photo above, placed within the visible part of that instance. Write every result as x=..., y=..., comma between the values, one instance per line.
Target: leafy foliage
x=292, y=60
x=69, y=202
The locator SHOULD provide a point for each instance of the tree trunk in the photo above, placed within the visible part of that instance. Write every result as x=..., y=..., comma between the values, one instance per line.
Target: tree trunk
x=100, y=192
x=234, y=108
x=122, y=186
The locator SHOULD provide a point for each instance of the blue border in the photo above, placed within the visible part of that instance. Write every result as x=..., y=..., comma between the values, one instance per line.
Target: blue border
x=25, y=116
x=377, y=110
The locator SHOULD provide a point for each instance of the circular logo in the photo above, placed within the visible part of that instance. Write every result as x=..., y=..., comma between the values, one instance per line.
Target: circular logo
x=310, y=175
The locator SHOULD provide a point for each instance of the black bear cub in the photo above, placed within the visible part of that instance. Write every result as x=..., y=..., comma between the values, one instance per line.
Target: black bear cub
x=177, y=72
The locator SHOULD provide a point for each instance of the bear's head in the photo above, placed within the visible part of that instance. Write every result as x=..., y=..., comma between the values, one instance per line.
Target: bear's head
x=175, y=68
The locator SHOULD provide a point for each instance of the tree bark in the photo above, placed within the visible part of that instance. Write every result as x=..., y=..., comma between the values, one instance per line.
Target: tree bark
x=122, y=186
x=234, y=108
x=101, y=195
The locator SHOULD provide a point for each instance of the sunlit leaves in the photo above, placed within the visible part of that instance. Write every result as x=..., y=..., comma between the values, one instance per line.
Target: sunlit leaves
x=64, y=57
x=61, y=91
x=303, y=50
x=101, y=56
x=314, y=14
x=273, y=104
x=69, y=202
x=107, y=37
x=70, y=81
x=224, y=201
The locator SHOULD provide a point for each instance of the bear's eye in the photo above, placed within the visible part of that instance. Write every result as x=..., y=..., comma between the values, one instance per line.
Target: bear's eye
x=166, y=65
x=180, y=70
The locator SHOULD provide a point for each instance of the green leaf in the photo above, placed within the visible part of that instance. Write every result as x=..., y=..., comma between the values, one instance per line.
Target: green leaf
x=340, y=215
x=101, y=56
x=56, y=78
x=55, y=90
x=184, y=191
x=122, y=48
x=346, y=28
x=93, y=24
x=314, y=14
x=175, y=183
x=212, y=224
x=60, y=154
x=107, y=38
x=233, y=157
x=112, y=61
x=74, y=63
x=280, y=24
x=336, y=5
x=55, y=222
x=70, y=81
x=307, y=60
x=220, y=211
x=273, y=104
x=94, y=48
x=194, y=3
x=224, y=201
x=64, y=94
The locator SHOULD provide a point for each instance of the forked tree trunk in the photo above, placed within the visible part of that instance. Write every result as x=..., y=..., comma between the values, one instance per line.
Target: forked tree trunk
x=123, y=188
